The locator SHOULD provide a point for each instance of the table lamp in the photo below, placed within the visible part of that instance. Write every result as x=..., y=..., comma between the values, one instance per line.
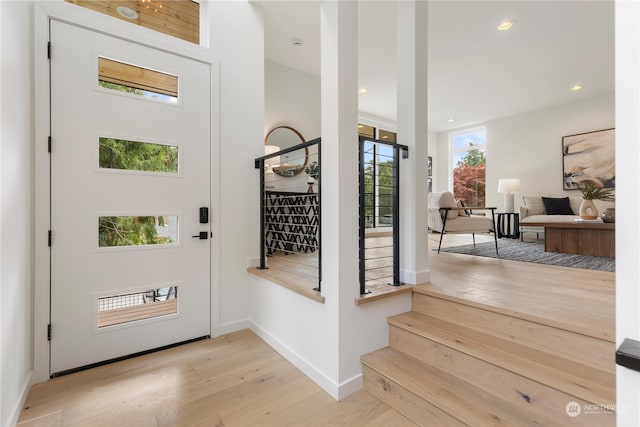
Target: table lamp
x=508, y=186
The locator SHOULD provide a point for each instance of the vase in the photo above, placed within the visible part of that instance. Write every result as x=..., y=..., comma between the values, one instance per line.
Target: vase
x=588, y=210
x=609, y=215
x=310, y=182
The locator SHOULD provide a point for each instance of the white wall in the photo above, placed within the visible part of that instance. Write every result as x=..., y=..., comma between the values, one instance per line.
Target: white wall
x=16, y=208
x=236, y=38
x=628, y=202
x=529, y=146
x=292, y=98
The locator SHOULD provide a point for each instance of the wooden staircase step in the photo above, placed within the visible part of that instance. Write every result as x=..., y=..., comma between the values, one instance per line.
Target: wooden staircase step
x=522, y=393
x=397, y=378
x=586, y=350
x=585, y=382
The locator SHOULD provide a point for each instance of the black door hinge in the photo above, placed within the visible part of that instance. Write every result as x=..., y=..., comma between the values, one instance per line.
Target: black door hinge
x=49, y=144
x=49, y=237
x=49, y=50
x=49, y=332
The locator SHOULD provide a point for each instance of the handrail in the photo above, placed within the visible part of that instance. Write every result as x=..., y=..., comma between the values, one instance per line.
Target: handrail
x=289, y=150
x=399, y=151
x=294, y=238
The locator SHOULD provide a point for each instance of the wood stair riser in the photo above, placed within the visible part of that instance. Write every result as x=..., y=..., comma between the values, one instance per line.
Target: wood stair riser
x=542, y=402
x=583, y=349
x=407, y=403
x=582, y=381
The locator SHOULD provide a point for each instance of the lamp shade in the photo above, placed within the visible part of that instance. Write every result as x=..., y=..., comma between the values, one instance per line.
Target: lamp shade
x=508, y=185
x=270, y=149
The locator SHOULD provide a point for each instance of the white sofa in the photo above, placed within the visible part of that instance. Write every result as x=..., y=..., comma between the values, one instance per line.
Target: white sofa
x=533, y=210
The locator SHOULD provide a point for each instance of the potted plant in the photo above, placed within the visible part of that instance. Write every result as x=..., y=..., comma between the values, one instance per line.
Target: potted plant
x=590, y=193
x=313, y=171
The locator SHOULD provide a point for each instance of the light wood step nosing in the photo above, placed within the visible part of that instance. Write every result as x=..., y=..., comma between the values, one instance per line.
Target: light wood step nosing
x=567, y=382
x=610, y=337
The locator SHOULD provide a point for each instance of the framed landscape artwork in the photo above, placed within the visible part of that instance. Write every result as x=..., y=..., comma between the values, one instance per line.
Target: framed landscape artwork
x=589, y=158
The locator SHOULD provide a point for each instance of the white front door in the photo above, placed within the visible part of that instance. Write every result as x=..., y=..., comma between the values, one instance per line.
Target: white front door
x=130, y=172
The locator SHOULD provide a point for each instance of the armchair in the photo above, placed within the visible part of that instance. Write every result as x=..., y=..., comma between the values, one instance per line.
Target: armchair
x=448, y=216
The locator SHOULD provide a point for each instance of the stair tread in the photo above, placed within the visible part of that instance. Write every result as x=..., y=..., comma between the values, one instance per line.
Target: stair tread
x=467, y=403
x=588, y=383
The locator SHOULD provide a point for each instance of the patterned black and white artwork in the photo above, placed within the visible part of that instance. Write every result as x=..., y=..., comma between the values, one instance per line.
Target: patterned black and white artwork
x=589, y=158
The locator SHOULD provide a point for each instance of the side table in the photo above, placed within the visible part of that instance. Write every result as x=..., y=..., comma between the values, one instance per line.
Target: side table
x=508, y=225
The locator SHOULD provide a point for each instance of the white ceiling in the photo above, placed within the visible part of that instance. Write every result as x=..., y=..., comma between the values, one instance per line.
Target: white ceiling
x=475, y=72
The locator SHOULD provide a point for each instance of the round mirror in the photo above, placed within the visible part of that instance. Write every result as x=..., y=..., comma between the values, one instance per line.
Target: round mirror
x=292, y=163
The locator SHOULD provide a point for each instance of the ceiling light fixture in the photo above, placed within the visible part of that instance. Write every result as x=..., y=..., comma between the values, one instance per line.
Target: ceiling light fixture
x=297, y=42
x=506, y=24
x=127, y=12
x=363, y=90
x=451, y=120
x=576, y=88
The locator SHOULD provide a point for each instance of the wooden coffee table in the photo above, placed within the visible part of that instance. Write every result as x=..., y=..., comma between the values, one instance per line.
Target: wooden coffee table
x=583, y=238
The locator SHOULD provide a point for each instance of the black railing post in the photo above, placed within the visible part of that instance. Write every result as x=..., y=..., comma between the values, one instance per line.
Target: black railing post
x=263, y=243
x=319, y=239
x=396, y=215
x=361, y=219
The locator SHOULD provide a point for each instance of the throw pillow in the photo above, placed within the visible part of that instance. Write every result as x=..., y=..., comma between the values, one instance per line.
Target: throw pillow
x=557, y=206
x=448, y=201
x=533, y=204
x=464, y=212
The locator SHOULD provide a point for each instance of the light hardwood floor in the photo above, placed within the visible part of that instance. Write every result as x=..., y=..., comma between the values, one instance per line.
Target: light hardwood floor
x=234, y=380
x=238, y=380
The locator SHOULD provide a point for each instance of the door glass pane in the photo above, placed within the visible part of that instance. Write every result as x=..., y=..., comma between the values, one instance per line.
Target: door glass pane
x=138, y=156
x=136, y=80
x=137, y=230
x=123, y=308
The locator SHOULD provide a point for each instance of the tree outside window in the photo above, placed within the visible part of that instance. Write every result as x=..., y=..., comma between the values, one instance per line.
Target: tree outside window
x=469, y=166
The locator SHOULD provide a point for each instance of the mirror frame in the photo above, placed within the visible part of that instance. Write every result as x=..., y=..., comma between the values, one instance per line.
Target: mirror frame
x=306, y=150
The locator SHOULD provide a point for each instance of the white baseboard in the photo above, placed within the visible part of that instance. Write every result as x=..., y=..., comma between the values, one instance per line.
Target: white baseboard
x=337, y=391
x=350, y=386
x=415, y=277
x=17, y=408
x=238, y=325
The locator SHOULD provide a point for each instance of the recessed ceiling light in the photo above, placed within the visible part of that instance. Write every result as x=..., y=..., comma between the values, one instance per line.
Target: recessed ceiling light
x=576, y=88
x=451, y=120
x=126, y=12
x=360, y=126
x=506, y=24
x=297, y=42
x=363, y=90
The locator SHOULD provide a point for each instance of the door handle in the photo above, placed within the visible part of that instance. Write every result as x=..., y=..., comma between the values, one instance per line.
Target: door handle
x=203, y=235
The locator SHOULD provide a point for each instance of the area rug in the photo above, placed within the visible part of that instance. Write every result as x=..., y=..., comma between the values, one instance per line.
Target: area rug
x=533, y=251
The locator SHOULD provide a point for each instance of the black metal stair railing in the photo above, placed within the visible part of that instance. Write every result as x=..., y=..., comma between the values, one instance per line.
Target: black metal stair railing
x=379, y=210
x=290, y=209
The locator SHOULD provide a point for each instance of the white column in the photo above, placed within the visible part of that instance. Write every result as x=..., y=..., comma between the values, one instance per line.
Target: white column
x=627, y=202
x=412, y=131
x=339, y=176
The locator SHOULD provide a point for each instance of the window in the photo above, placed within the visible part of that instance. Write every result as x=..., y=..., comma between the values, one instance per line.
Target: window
x=177, y=18
x=468, y=164
x=137, y=230
x=124, y=308
x=137, y=156
x=132, y=79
